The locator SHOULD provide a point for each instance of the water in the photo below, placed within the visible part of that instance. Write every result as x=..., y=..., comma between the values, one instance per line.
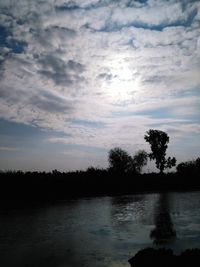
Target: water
x=98, y=232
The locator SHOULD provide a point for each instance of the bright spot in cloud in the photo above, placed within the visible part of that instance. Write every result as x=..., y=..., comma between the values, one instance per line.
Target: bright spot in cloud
x=121, y=83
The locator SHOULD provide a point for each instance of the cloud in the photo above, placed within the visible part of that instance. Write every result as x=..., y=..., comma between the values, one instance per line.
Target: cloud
x=92, y=68
x=50, y=103
x=106, y=76
x=59, y=71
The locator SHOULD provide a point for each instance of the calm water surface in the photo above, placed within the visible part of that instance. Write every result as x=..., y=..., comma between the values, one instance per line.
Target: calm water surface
x=98, y=232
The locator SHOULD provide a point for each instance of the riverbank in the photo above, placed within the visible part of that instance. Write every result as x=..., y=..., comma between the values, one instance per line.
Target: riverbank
x=165, y=258
x=62, y=186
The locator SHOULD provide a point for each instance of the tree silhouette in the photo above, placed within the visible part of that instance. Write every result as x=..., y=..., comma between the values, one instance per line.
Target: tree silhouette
x=158, y=141
x=120, y=161
x=140, y=160
x=189, y=167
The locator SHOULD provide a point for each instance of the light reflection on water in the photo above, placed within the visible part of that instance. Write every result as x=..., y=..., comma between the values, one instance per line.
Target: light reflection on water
x=97, y=232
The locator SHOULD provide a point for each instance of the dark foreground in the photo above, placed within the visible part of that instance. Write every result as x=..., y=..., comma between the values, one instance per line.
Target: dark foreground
x=165, y=257
x=60, y=186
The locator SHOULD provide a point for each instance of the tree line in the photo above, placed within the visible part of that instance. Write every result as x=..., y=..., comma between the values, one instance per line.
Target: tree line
x=123, y=176
x=120, y=161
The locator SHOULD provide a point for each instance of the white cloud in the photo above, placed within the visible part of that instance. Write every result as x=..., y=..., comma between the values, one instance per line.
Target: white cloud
x=100, y=61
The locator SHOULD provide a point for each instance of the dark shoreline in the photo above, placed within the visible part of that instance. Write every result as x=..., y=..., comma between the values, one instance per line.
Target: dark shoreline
x=56, y=186
x=165, y=257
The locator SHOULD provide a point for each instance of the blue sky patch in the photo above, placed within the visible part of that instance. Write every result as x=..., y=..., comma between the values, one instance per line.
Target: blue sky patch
x=6, y=40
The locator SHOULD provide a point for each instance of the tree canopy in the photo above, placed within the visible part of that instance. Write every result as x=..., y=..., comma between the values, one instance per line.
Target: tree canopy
x=120, y=161
x=140, y=160
x=189, y=167
x=158, y=141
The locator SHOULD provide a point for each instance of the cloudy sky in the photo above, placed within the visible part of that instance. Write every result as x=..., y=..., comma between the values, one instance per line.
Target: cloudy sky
x=80, y=77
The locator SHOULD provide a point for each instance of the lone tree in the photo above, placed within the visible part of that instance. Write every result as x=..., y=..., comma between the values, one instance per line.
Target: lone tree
x=119, y=160
x=158, y=141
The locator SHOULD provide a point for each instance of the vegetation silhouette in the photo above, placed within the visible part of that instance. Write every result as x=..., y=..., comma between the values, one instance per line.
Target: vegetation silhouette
x=124, y=176
x=121, y=162
x=189, y=167
x=165, y=257
x=158, y=141
x=140, y=160
x=163, y=232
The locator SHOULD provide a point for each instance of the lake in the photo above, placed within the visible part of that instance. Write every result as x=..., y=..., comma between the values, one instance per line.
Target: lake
x=98, y=232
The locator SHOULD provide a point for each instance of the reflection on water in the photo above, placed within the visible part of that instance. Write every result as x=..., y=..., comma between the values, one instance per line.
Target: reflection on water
x=126, y=209
x=163, y=232
x=96, y=232
x=131, y=220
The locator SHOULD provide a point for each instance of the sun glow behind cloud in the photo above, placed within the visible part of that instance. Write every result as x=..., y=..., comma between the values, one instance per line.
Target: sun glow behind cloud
x=99, y=74
x=119, y=84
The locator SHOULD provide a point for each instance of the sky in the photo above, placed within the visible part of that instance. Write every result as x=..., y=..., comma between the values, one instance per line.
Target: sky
x=78, y=78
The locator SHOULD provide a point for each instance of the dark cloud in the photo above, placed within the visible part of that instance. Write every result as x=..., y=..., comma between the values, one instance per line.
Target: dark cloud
x=139, y=1
x=106, y=76
x=3, y=35
x=75, y=66
x=69, y=6
x=51, y=103
x=61, y=30
x=48, y=35
x=155, y=79
x=9, y=45
x=7, y=40
x=59, y=71
x=73, y=6
x=12, y=96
